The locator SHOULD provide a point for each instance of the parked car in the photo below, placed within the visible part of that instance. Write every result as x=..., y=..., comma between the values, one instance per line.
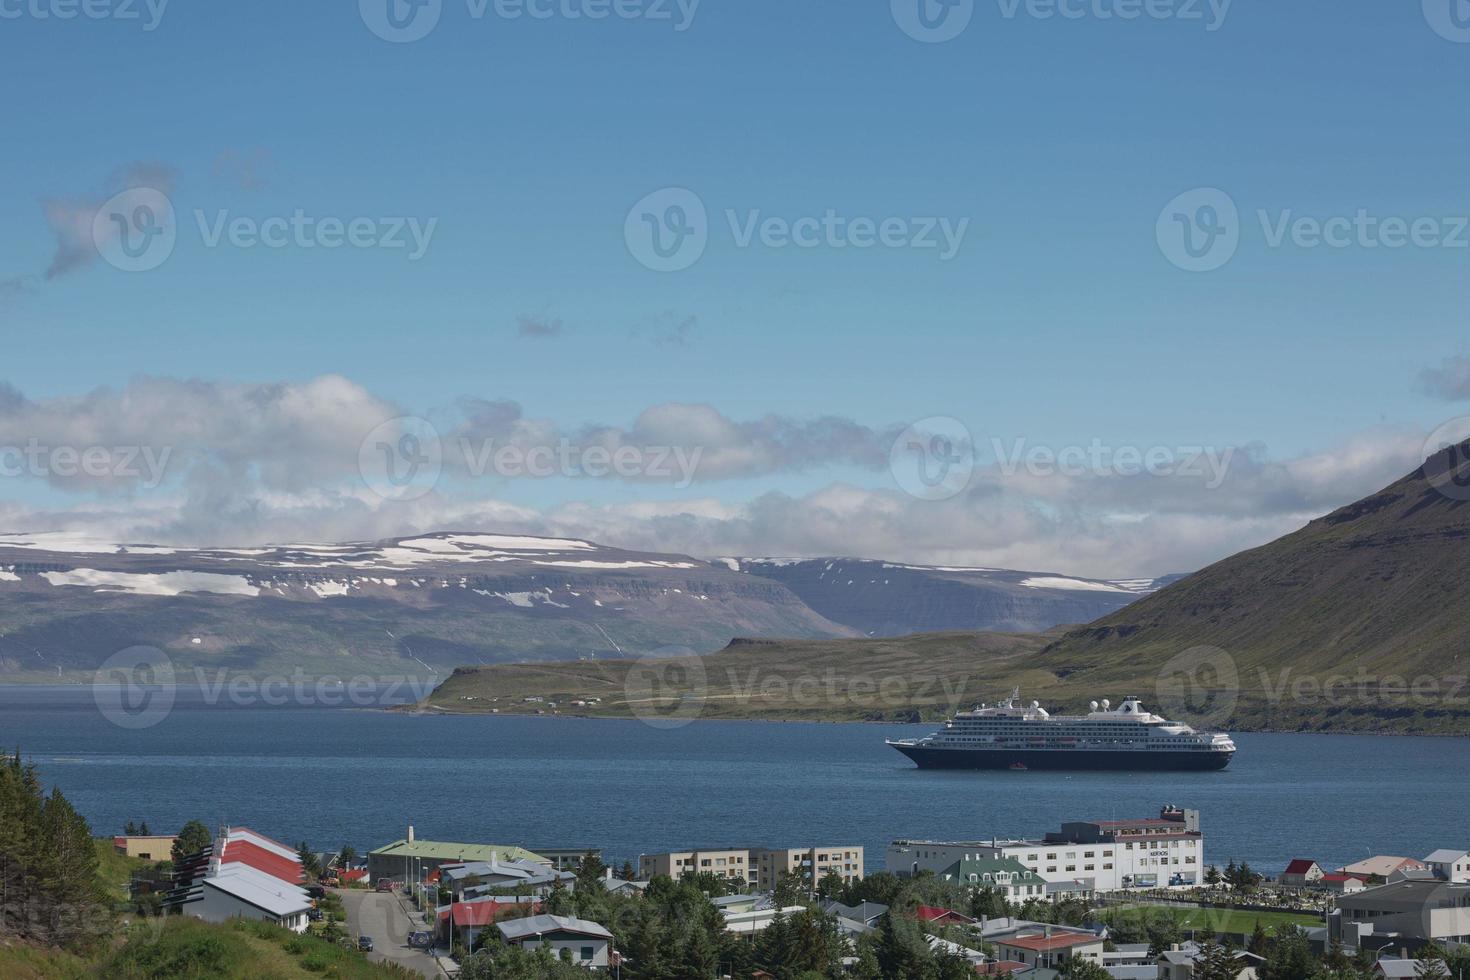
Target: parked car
x=385, y=884
x=365, y=943
x=316, y=891
x=315, y=915
x=420, y=940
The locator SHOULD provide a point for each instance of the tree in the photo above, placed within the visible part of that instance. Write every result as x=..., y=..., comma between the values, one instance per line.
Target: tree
x=1163, y=934
x=1215, y=962
x=627, y=873
x=902, y=950
x=131, y=829
x=1290, y=957
x=789, y=890
x=48, y=864
x=590, y=871
x=1258, y=941
x=1212, y=875
x=347, y=855
x=1079, y=968
x=143, y=829
x=309, y=861
x=1431, y=963
x=831, y=885
x=193, y=838
x=1232, y=873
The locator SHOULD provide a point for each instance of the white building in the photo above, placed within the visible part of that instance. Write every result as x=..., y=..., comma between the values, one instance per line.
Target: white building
x=1450, y=865
x=1163, y=852
x=251, y=895
x=586, y=942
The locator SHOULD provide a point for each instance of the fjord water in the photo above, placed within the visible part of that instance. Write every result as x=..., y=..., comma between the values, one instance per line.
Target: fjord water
x=338, y=776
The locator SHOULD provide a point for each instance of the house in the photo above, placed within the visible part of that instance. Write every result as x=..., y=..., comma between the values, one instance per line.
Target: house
x=1396, y=969
x=1421, y=909
x=1450, y=865
x=1048, y=948
x=409, y=860
x=973, y=956
x=868, y=913
x=1381, y=866
x=1180, y=961
x=756, y=920
x=242, y=874
x=1302, y=872
x=480, y=877
x=249, y=894
x=617, y=886
x=151, y=848
x=942, y=917
x=587, y=943
x=460, y=923
x=1008, y=877
x=740, y=903
x=1341, y=884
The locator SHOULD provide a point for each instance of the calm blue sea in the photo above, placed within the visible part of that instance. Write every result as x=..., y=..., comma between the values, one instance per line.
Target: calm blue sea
x=337, y=776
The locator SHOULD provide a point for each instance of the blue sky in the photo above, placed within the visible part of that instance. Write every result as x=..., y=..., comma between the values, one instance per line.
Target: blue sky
x=1060, y=319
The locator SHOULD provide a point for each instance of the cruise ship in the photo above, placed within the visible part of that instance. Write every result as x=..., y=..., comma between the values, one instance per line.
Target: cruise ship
x=1011, y=735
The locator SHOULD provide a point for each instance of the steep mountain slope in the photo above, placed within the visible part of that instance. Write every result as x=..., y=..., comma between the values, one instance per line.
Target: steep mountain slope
x=1346, y=615
x=406, y=606
x=879, y=598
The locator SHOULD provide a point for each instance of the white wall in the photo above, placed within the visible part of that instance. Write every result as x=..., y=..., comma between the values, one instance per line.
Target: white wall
x=218, y=906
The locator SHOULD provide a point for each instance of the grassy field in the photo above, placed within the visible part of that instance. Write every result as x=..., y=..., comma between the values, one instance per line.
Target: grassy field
x=1211, y=920
x=185, y=949
x=908, y=678
x=911, y=678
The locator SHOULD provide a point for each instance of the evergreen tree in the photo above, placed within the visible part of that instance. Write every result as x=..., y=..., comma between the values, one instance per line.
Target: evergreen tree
x=1212, y=875
x=1215, y=962
x=131, y=829
x=143, y=829
x=627, y=872
x=1079, y=968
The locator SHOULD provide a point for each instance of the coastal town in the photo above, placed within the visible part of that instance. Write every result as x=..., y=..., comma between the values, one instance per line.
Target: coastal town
x=1126, y=899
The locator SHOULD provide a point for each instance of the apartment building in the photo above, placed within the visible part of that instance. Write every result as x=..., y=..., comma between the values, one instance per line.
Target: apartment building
x=761, y=868
x=1167, y=851
x=727, y=862
x=808, y=863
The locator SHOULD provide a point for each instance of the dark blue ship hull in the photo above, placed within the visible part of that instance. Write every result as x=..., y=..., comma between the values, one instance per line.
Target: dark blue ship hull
x=1066, y=759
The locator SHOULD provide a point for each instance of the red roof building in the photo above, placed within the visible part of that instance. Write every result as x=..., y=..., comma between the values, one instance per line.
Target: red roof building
x=945, y=917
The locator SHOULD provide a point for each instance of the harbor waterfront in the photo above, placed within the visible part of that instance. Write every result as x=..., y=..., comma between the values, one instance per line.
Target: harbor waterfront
x=334, y=775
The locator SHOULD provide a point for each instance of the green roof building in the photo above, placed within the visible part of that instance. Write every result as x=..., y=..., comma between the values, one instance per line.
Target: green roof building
x=1006, y=876
x=408, y=860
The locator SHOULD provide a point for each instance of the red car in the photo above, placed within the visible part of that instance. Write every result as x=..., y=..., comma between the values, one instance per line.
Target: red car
x=385, y=885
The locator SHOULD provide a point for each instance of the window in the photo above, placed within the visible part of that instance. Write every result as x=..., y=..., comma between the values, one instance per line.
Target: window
x=586, y=952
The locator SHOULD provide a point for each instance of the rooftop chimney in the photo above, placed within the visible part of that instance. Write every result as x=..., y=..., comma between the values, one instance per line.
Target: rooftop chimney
x=410, y=833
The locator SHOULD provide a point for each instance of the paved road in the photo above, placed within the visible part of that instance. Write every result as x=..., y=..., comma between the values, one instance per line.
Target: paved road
x=383, y=917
